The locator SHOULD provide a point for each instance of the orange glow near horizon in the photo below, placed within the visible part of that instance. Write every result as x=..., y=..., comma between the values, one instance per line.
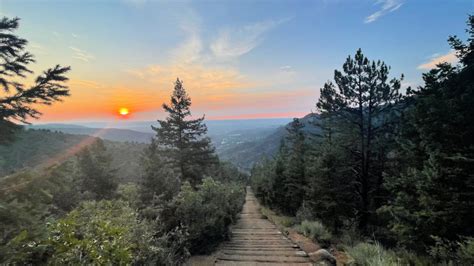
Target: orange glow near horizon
x=102, y=101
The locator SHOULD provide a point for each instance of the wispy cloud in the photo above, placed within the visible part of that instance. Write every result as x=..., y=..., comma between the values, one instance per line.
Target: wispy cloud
x=86, y=84
x=286, y=68
x=199, y=79
x=386, y=6
x=436, y=59
x=190, y=50
x=232, y=43
x=74, y=35
x=81, y=54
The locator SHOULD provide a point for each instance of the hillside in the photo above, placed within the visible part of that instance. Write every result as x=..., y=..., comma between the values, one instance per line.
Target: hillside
x=241, y=142
x=113, y=134
x=36, y=148
x=248, y=151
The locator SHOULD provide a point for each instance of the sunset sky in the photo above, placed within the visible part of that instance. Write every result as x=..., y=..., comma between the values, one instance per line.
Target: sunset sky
x=238, y=59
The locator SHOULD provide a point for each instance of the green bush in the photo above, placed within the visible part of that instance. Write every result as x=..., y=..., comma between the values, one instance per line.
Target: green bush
x=316, y=231
x=205, y=213
x=350, y=237
x=367, y=254
x=407, y=257
x=453, y=252
x=98, y=233
x=465, y=252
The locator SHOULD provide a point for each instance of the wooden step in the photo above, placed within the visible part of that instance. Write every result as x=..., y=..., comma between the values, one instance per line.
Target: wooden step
x=275, y=258
x=296, y=253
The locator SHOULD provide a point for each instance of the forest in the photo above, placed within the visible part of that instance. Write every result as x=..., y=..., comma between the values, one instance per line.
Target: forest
x=381, y=173
x=388, y=170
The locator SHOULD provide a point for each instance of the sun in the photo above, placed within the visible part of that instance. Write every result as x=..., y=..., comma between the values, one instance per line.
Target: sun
x=123, y=111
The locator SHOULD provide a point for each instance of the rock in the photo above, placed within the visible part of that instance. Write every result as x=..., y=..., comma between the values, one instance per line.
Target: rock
x=322, y=255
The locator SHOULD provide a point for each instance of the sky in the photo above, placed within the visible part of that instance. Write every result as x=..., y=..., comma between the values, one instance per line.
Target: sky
x=238, y=59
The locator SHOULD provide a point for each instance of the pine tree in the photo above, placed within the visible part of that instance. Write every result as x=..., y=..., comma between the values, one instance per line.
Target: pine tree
x=295, y=178
x=360, y=102
x=434, y=194
x=331, y=193
x=183, y=141
x=96, y=175
x=287, y=172
x=19, y=102
x=158, y=181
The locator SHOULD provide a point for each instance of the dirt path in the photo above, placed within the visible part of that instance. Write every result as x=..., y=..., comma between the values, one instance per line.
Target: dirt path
x=256, y=241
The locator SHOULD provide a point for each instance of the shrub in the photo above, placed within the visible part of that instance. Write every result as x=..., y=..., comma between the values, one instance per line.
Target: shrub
x=350, y=236
x=316, y=231
x=304, y=213
x=205, y=213
x=97, y=233
x=453, y=252
x=367, y=254
x=465, y=252
x=407, y=257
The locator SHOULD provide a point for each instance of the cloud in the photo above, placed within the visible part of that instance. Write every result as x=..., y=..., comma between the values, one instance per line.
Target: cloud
x=387, y=6
x=81, y=54
x=85, y=84
x=74, y=35
x=256, y=101
x=232, y=43
x=436, y=59
x=190, y=50
x=198, y=79
x=286, y=68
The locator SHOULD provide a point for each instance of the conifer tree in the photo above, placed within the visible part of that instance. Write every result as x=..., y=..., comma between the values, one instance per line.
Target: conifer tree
x=18, y=102
x=96, y=175
x=331, y=193
x=434, y=194
x=183, y=141
x=361, y=101
x=159, y=180
x=279, y=195
x=295, y=178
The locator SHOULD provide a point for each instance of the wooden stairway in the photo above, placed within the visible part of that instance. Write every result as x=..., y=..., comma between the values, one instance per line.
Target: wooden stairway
x=256, y=241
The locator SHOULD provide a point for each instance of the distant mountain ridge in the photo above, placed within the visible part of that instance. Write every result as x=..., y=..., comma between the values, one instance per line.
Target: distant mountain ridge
x=241, y=142
x=38, y=148
x=113, y=134
x=244, y=155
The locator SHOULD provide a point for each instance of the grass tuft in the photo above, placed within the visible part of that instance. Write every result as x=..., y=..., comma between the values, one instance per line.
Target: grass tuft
x=316, y=231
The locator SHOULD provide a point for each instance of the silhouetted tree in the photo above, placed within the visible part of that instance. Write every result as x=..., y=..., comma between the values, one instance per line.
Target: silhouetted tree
x=19, y=102
x=361, y=101
x=434, y=194
x=183, y=141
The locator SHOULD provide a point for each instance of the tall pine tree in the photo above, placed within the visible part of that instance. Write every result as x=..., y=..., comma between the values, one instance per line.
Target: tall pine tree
x=434, y=194
x=295, y=178
x=361, y=102
x=330, y=195
x=183, y=141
